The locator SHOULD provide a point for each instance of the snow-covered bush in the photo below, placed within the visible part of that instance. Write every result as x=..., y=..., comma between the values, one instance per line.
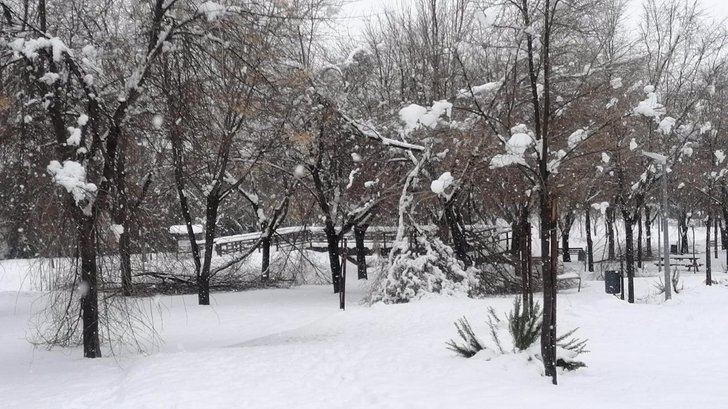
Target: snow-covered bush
x=413, y=273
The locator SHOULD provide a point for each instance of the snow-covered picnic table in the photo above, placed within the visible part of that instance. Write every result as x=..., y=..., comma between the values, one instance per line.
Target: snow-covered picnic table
x=688, y=261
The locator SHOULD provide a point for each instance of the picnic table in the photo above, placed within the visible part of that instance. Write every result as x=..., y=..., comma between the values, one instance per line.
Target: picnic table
x=689, y=261
x=561, y=274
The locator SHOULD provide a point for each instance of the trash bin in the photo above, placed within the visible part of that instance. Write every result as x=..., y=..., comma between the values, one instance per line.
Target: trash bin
x=612, y=282
x=581, y=256
x=673, y=248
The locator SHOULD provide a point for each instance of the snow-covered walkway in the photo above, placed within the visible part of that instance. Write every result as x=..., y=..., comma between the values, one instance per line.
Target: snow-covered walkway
x=294, y=349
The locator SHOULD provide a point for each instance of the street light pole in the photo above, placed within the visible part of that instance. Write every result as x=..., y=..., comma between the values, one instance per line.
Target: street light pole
x=665, y=235
x=662, y=160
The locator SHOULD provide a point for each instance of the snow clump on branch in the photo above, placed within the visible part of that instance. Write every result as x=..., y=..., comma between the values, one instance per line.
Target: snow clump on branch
x=443, y=182
x=72, y=176
x=415, y=116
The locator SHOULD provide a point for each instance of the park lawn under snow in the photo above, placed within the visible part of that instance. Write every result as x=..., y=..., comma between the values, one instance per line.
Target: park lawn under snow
x=292, y=348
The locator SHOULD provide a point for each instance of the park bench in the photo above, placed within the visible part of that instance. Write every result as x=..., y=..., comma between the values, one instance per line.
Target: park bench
x=561, y=274
x=689, y=262
x=579, y=252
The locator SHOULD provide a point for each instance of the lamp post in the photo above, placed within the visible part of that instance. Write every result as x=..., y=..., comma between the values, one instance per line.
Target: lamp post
x=662, y=160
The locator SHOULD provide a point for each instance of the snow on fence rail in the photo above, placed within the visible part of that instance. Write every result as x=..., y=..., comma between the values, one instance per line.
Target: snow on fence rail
x=314, y=238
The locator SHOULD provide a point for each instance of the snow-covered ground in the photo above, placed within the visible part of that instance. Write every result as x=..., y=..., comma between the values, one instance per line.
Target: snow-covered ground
x=292, y=348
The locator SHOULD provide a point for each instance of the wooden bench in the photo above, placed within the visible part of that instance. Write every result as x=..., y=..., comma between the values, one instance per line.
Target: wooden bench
x=579, y=252
x=561, y=275
x=570, y=276
x=688, y=262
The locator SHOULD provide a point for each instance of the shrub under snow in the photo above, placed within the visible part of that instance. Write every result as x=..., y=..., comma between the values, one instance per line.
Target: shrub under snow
x=413, y=274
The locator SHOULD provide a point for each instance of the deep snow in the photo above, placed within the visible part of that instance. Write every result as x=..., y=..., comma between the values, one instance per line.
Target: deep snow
x=292, y=348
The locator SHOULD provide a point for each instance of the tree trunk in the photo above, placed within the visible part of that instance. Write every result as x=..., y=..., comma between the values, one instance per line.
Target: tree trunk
x=708, y=272
x=610, y=233
x=332, y=244
x=683, y=221
x=715, y=235
x=639, y=239
x=516, y=238
x=568, y=222
x=724, y=232
x=177, y=160
x=265, y=244
x=459, y=243
x=125, y=261
x=361, y=251
x=122, y=215
x=523, y=227
x=589, y=242
x=648, y=233
x=548, y=339
x=203, y=279
x=629, y=255
x=89, y=289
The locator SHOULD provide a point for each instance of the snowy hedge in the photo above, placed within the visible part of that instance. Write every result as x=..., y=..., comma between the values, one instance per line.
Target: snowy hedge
x=411, y=274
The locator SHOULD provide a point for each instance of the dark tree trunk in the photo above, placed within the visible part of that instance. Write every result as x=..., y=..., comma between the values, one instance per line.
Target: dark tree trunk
x=522, y=226
x=177, y=160
x=460, y=245
x=203, y=279
x=708, y=272
x=639, y=239
x=610, y=233
x=361, y=251
x=715, y=236
x=332, y=245
x=629, y=254
x=529, y=252
x=516, y=237
x=568, y=222
x=683, y=221
x=125, y=261
x=122, y=219
x=265, y=244
x=724, y=231
x=648, y=233
x=89, y=288
x=589, y=242
x=548, y=235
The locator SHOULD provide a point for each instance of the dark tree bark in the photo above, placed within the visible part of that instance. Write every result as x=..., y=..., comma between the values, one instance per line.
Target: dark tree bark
x=708, y=272
x=179, y=179
x=122, y=219
x=125, y=261
x=361, y=251
x=565, y=231
x=549, y=247
x=265, y=244
x=724, y=231
x=639, y=239
x=589, y=242
x=89, y=290
x=715, y=235
x=332, y=242
x=648, y=233
x=203, y=279
x=523, y=226
x=629, y=253
x=683, y=223
x=460, y=245
x=611, y=255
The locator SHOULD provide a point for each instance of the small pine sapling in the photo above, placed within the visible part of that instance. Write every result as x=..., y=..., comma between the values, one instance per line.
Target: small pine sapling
x=469, y=344
x=524, y=325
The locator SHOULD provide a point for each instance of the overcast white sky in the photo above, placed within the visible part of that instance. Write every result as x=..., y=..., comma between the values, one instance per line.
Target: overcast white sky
x=354, y=12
